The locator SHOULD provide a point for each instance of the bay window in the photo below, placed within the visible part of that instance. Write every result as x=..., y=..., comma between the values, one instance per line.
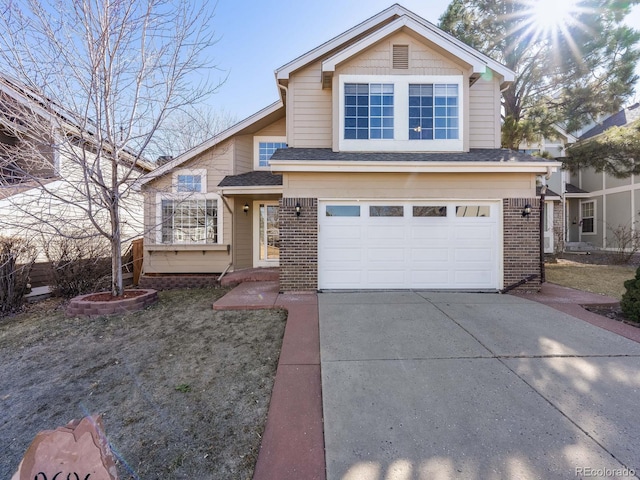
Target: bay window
x=188, y=214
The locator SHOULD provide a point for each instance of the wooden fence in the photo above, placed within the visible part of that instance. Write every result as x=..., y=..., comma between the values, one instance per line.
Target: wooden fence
x=42, y=273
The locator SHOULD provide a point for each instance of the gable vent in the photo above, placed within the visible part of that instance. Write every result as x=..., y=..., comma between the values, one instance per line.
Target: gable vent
x=401, y=56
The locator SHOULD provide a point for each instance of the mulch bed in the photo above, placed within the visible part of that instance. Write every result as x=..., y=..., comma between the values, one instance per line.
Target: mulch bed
x=613, y=312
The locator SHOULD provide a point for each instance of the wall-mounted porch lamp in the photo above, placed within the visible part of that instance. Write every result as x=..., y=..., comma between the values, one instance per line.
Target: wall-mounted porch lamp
x=298, y=209
x=527, y=210
x=245, y=209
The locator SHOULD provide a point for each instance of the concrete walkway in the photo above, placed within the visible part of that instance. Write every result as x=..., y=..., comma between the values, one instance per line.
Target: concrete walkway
x=421, y=385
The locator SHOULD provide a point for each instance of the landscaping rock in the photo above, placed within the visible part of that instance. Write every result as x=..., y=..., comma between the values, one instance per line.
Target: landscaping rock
x=79, y=450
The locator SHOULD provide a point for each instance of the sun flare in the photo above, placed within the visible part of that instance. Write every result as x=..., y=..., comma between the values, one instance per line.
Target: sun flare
x=550, y=16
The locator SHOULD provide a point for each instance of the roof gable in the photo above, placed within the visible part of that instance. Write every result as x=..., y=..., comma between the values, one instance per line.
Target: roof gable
x=257, y=120
x=619, y=119
x=393, y=19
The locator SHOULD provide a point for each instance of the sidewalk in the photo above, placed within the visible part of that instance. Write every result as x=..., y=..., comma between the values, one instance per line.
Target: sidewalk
x=293, y=441
x=571, y=301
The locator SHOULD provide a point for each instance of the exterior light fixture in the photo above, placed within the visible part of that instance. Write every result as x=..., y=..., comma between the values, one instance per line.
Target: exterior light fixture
x=245, y=209
x=298, y=209
x=527, y=210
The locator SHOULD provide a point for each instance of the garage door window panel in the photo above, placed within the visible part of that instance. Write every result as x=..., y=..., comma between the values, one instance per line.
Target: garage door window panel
x=473, y=211
x=436, y=211
x=342, y=211
x=386, y=211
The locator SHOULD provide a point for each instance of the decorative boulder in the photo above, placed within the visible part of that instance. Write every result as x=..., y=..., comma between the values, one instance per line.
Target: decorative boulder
x=77, y=451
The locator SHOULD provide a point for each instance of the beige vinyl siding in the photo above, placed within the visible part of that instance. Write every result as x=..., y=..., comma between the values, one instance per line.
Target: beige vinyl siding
x=243, y=154
x=309, y=110
x=484, y=114
x=243, y=238
x=218, y=162
x=186, y=261
x=378, y=59
x=276, y=129
x=409, y=185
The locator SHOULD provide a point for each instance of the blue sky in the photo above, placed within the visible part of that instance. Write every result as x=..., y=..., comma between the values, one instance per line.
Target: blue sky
x=256, y=37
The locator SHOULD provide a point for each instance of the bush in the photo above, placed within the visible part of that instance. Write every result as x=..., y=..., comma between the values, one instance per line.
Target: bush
x=16, y=260
x=630, y=303
x=79, y=265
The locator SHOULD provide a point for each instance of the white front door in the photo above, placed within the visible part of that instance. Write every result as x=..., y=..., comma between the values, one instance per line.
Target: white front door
x=266, y=234
x=419, y=245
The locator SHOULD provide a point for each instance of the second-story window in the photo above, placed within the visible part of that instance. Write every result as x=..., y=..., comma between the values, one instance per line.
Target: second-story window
x=189, y=183
x=368, y=111
x=433, y=112
x=395, y=113
x=263, y=149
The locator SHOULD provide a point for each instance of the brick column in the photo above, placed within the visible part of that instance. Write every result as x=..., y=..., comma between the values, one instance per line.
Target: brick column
x=298, y=245
x=521, y=243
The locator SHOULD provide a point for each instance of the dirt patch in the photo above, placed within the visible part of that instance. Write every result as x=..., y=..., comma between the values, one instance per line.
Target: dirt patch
x=613, y=312
x=183, y=390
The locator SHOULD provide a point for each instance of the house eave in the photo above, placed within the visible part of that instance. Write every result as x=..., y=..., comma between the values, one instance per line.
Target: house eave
x=284, y=166
x=250, y=190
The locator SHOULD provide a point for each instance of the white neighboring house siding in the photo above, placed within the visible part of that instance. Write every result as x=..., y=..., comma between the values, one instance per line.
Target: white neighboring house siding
x=21, y=214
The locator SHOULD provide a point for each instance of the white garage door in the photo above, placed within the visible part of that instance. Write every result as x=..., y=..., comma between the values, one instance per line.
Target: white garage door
x=386, y=245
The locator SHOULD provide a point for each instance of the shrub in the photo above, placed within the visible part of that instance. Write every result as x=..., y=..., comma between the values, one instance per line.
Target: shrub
x=630, y=303
x=626, y=241
x=16, y=260
x=79, y=265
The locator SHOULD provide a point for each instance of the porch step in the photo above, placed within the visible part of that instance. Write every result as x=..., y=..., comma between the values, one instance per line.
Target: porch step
x=579, y=247
x=271, y=274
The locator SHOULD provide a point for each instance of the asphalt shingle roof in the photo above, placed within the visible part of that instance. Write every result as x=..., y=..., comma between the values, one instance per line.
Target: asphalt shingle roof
x=258, y=178
x=570, y=188
x=623, y=117
x=475, y=155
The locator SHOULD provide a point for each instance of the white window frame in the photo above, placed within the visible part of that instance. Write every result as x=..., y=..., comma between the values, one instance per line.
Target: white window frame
x=400, y=141
x=191, y=171
x=189, y=196
x=595, y=215
x=256, y=148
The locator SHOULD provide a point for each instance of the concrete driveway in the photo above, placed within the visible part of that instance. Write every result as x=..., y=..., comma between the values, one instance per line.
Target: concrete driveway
x=421, y=385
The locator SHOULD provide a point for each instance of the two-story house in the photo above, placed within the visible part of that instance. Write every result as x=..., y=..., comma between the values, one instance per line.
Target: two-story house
x=380, y=167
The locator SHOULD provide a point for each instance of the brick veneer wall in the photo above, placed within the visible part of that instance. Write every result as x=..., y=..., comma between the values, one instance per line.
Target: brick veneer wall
x=298, y=245
x=170, y=281
x=558, y=227
x=521, y=243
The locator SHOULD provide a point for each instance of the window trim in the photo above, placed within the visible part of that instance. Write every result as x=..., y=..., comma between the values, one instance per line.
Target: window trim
x=594, y=217
x=256, y=148
x=400, y=141
x=188, y=196
x=189, y=171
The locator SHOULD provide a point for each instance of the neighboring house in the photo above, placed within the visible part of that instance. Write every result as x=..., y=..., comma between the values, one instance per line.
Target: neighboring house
x=554, y=211
x=380, y=167
x=598, y=204
x=41, y=188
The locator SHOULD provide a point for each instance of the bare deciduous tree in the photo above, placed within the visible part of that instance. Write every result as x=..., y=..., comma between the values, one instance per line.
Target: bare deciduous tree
x=88, y=83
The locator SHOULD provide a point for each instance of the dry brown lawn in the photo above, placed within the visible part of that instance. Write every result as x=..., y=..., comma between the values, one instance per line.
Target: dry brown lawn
x=183, y=389
x=602, y=279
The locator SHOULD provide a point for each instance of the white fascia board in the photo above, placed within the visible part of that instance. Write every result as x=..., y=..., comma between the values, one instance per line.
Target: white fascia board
x=222, y=136
x=283, y=72
x=251, y=190
x=278, y=166
x=329, y=65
